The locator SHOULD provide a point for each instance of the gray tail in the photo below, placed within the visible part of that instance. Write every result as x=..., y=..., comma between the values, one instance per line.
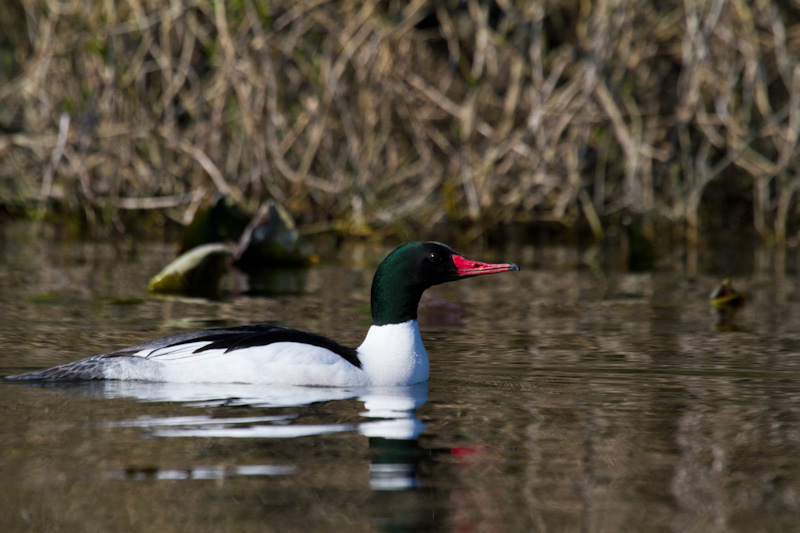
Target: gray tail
x=85, y=369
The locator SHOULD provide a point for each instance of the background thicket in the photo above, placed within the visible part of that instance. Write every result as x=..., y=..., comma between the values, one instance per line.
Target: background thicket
x=383, y=115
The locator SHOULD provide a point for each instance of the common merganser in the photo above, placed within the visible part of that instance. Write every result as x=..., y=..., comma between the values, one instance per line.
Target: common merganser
x=391, y=355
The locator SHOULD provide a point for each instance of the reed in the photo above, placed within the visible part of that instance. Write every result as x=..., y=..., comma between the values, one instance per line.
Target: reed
x=364, y=116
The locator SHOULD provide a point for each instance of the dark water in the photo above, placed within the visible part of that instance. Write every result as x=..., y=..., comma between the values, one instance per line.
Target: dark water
x=562, y=398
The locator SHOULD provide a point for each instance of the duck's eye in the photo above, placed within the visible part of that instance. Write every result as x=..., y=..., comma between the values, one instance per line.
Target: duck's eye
x=433, y=257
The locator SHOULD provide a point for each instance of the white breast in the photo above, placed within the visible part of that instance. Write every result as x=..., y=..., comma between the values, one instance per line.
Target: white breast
x=393, y=355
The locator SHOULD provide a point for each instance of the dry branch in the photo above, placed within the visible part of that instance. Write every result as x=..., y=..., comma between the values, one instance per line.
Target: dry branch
x=369, y=112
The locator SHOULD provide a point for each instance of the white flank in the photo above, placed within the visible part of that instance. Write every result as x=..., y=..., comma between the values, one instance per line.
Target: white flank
x=285, y=363
x=391, y=355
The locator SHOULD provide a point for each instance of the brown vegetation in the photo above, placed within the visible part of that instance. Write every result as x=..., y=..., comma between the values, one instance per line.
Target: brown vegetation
x=360, y=115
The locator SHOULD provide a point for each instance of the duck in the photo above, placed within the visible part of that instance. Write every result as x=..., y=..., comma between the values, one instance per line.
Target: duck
x=725, y=296
x=392, y=354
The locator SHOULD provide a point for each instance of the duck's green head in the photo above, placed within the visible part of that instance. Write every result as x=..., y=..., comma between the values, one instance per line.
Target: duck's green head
x=413, y=267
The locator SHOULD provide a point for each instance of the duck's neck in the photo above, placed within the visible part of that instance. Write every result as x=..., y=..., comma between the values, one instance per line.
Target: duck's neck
x=393, y=354
x=394, y=298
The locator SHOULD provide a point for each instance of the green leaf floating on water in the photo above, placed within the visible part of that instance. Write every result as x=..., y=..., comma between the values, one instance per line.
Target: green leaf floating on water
x=197, y=271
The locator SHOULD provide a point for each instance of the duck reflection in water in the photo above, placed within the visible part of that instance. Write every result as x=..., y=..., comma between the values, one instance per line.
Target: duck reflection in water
x=390, y=418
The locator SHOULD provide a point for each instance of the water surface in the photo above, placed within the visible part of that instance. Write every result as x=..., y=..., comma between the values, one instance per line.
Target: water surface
x=565, y=397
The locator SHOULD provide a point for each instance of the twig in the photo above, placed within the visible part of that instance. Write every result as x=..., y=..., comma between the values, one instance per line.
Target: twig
x=55, y=158
x=159, y=202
